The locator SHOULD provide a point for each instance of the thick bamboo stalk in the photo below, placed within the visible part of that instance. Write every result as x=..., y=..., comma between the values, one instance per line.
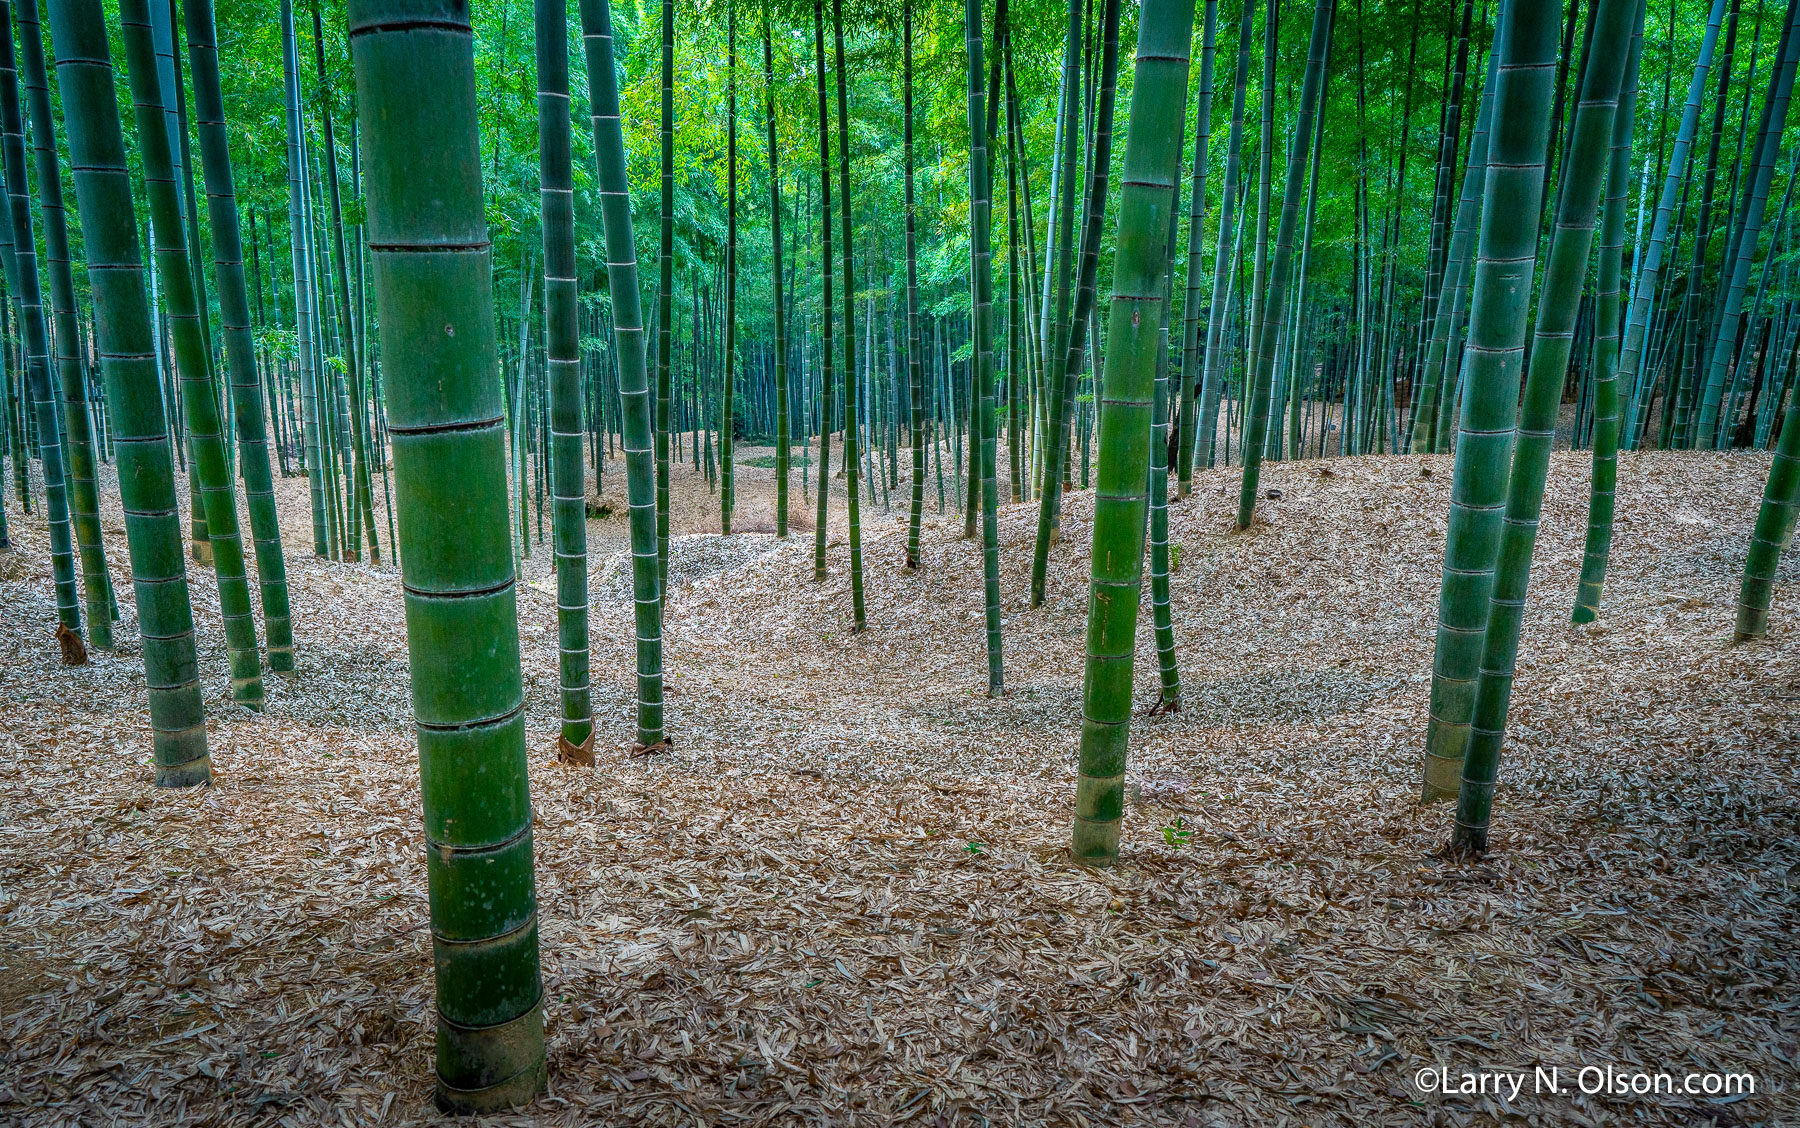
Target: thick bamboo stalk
x=628, y=344
x=859, y=614
x=355, y=421
x=1151, y=174
x=568, y=515
x=19, y=251
x=981, y=369
x=1585, y=172
x=1225, y=254
x=1268, y=330
x=125, y=340
x=240, y=346
x=1709, y=431
x=71, y=378
x=415, y=82
x=727, y=418
x=914, y=344
x=217, y=491
x=1525, y=61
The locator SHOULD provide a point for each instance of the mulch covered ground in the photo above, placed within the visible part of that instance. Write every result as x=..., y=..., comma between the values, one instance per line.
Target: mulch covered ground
x=844, y=899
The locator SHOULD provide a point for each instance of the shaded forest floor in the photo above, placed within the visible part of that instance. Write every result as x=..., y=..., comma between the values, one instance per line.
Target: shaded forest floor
x=844, y=899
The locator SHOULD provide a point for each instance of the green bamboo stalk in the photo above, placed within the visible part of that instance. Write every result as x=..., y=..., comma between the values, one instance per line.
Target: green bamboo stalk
x=1436, y=395
x=415, y=83
x=173, y=117
x=981, y=271
x=727, y=393
x=20, y=254
x=312, y=450
x=1679, y=432
x=1056, y=374
x=1585, y=171
x=1265, y=155
x=1256, y=418
x=1074, y=340
x=665, y=301
x=783, y=414
x=1231, y=224
x=124, y=339
x=827, y=350
x=1192, y=365
x=914, y=345
x=1608, y=409
x=859, y=615
x=1161, y=617
x=1017, y=366
x=240, y=346
x=217, y=492
x=568, y=515
x=362, y=508
x=1724, y=346
x=1632, y=354
x=1525, y=51
x=1774, y=528
x=628, y=343
x=1151, y=176
x=72, y=380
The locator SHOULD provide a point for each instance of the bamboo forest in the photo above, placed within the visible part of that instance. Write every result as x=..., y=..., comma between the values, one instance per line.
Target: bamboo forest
x=1205, y=563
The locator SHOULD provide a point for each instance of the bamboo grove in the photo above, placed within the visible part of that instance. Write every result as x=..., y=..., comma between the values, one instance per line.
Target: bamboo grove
x=457, y=270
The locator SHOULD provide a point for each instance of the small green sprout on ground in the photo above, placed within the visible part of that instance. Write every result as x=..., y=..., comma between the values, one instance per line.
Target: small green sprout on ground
x=1178, y=833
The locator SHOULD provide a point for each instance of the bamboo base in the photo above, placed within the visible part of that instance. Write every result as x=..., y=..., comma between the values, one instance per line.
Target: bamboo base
x=575, y=755
x=515, y=1049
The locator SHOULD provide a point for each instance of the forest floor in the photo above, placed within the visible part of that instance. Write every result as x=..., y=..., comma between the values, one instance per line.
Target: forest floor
x=844, y=898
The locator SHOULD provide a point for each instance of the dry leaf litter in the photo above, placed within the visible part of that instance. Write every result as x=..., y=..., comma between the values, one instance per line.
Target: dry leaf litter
x=844, y=898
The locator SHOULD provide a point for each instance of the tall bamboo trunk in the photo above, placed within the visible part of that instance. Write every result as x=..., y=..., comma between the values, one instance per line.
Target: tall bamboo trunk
x=914, y=362
x=827, y=315
x=1268, y=326
x=311, y=421
x=859, y=615
x=1525, y=53
x=240, y=345
x=1584, y=173
x=1737, y=268
x=783, y=413
x=83, y=496
x=727, y=418
x=1055, y=363
x=124, y=337
x=20, y=255
x=1187, y=395
x=415, y=84
x=362, y=508
x=1231, y=224
x=628, y=346
x=217, y=492
x=1152, y=173
x=1631, y=349
x=981, y=368
x=568, y=513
